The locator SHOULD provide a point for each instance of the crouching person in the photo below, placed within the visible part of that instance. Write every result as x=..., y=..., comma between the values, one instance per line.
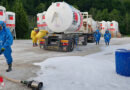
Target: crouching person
x=33, y=36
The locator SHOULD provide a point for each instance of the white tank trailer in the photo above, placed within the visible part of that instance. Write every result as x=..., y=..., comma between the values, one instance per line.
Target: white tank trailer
x=10, y=22
x=9, y=19
x=103, y=27
x=114, y=28
x=89, y=26
x=111, y=26
x=65, y=23
x=61, y=17
x=2, y=13
x=41, y=23
x=108, y=25
x=39, y=20
x=92, y=25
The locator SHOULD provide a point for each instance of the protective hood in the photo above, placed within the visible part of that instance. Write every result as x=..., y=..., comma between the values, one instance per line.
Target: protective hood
x=107, y=31
x=97, y=31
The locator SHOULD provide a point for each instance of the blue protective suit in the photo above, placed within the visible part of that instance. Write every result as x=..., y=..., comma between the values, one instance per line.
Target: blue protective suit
x=6, y=40
x=107, y=37
x=97, y=36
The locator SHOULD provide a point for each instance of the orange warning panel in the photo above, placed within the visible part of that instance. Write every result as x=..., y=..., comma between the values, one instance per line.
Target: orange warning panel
x=10, y=25
x=42, y=40
x=64, y=41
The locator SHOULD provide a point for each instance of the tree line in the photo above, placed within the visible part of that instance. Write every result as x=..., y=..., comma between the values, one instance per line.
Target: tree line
x=108, y=10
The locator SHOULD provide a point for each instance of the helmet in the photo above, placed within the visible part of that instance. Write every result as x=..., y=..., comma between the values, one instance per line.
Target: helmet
x=36, y=29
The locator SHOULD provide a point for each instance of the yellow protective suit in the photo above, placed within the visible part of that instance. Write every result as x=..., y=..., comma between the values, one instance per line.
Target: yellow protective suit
x=33, y=36
x=41, y=34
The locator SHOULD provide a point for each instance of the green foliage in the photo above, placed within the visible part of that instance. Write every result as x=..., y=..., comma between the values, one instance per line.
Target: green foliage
x=75, y=6
x=93, y=11
x=5, y=4
x=41, y=7
x=127, y=23
x=105, y=14
x=114, y=15
x=109, y=10
x=22, y=25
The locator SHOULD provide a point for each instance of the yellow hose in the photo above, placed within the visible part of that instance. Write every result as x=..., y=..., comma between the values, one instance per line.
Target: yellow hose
x=12, y=80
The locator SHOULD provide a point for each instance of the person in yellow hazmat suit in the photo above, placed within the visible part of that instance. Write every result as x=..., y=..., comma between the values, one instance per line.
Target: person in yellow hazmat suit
x=33, y=36
x=41, y=34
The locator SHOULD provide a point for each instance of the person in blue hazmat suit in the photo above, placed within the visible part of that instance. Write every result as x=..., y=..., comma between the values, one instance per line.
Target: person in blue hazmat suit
x=6, y=40
x=97, y=36
x=107, y=37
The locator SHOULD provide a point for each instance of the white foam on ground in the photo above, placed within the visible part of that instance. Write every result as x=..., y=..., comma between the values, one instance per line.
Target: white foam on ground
x=91, y=72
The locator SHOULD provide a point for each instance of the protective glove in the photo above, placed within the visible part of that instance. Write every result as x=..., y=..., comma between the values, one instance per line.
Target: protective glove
x=2, y=50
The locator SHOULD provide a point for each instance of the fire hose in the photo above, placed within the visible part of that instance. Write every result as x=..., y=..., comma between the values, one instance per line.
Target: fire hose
x=34, y=85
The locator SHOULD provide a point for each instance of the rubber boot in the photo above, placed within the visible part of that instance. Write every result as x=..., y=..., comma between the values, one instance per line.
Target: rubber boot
x=33, y=44
x=9, y=68
x=36, y=44
x=106, y=43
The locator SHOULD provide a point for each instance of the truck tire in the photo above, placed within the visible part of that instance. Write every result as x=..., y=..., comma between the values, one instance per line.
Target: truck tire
x=85, y=40
x=41, y=46
x=93, y=40
x=70, y=47
x=45, y=45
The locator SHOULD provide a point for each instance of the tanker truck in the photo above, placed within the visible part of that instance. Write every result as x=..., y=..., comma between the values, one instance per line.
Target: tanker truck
x=2, y=13
x=89, y=26
x=9, y=19
x=64, y=22
x=10, y=22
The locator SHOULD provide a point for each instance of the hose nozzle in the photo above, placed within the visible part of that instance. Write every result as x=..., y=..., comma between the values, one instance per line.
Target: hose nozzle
x=35, y=85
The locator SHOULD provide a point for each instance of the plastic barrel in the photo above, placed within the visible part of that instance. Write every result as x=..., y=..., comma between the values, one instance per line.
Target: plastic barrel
x=122, y=61
x=122, y=49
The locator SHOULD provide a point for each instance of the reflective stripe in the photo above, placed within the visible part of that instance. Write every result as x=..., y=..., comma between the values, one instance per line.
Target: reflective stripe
x=65, y=44
x=10, y=25
x=42, y=25
x=112, y=29
x=76, y=16
x=81, y=22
